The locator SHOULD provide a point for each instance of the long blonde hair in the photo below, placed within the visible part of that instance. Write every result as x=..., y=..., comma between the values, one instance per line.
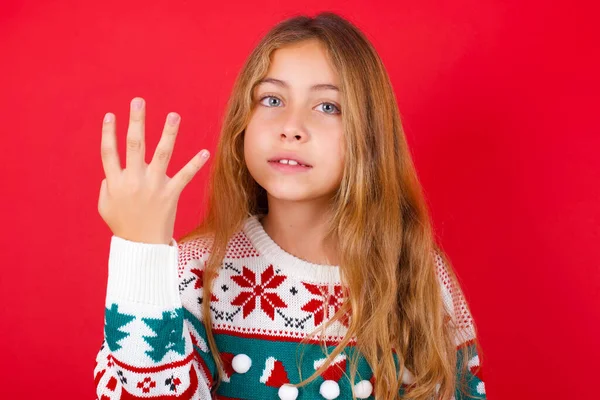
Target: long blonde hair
x=379, y=218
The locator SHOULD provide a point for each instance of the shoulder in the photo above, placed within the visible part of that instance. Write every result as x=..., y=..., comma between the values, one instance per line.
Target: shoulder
x=455, y=303
x=193, y=252
x=445, y=281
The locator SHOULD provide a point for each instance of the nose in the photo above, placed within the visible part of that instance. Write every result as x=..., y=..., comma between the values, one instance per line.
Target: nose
x=292, y=136
x=293, y=129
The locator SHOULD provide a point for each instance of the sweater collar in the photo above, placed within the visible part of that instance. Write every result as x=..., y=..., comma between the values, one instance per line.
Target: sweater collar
x=289, y=264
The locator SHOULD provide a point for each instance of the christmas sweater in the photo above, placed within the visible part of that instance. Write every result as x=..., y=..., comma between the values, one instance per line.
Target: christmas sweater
x=264, y=302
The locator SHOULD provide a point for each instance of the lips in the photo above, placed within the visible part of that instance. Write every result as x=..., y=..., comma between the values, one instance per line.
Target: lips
x=289, y=156
x=291, y=163
x=288, y=168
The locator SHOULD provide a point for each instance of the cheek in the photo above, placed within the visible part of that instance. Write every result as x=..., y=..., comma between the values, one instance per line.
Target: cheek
x=251, y=136
x=250, y=151
x=334, y=151
x=255, y=150
x=257, y=130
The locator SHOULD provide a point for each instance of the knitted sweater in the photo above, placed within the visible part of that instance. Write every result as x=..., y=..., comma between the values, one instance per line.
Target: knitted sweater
x=265, y=301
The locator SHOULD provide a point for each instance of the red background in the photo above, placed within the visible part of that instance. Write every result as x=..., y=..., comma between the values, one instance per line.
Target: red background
x=499, y=103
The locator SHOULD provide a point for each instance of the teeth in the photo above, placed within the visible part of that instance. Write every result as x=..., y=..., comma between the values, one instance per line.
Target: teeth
x=291, y=162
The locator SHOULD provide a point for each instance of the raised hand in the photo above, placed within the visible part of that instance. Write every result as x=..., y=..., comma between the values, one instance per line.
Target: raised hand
x=139, y=203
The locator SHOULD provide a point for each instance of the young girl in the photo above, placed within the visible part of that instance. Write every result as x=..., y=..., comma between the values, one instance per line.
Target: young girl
x=315, y=273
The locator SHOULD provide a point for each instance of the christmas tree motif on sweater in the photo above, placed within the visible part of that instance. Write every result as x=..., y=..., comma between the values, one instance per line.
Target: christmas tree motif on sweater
x=169, y=334
x=113, y=324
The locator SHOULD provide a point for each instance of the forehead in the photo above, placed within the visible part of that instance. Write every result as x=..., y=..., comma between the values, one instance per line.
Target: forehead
x=302, y=65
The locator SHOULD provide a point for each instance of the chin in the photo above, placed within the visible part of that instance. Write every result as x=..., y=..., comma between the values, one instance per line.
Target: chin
x=295, y=193
x=289, y=194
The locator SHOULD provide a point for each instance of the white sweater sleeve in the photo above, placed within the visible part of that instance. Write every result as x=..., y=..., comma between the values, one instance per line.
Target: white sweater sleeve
x=153, y=344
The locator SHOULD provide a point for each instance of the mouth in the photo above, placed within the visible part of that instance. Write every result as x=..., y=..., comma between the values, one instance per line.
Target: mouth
x=284, y=166
x=290, y=161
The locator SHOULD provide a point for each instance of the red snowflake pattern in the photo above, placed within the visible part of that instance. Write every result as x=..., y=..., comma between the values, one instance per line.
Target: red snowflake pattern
x=200, y=282
x=268, y=300
x=334, y=300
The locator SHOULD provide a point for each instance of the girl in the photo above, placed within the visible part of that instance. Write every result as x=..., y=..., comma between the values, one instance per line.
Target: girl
x=315, y=273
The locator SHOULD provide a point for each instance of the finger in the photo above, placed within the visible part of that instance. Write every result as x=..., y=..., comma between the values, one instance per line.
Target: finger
x=108, y=148
x=164, y=149
x=135, y=135
x=185, y=174
x=102, y=195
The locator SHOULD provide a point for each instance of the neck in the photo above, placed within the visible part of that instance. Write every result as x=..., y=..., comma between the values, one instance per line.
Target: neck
x=299, y=229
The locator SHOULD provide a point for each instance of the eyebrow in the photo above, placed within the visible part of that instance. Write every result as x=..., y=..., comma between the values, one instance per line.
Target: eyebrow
x=319, y=86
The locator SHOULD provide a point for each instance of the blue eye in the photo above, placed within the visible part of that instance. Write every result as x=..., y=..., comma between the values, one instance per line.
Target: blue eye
x=266, y=97
x=331, y=105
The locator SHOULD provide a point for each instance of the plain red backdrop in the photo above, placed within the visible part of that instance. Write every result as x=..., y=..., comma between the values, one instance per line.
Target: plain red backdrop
x=499, y=103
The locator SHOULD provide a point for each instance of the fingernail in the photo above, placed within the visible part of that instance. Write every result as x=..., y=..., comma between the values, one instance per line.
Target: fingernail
x=109, y=117
x=204, y=154
x=137, y=104
x=173, y=119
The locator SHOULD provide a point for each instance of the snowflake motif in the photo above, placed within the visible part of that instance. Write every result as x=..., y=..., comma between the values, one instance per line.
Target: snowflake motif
x=146, y=384
x=268, y=300
x=200, y=282
x=173, y=382
x=332, y=300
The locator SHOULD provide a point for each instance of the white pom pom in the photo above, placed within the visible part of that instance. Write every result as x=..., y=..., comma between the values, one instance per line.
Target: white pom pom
x=329, y=389
x=241, y=363
x=363, y=389
x=288, y=392
x=407, y=377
